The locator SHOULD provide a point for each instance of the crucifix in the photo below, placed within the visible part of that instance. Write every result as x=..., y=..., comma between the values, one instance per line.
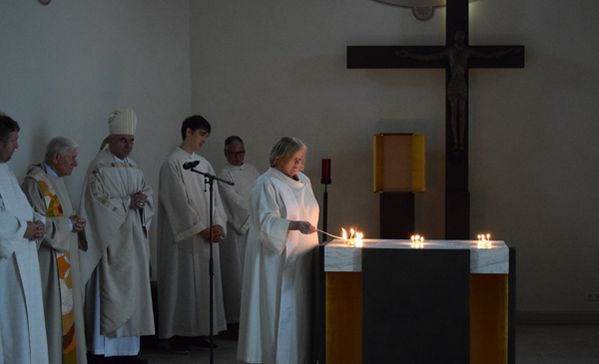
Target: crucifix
x=456, y=57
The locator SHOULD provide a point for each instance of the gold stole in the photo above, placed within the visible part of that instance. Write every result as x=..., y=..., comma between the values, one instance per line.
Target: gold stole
x=63, y=262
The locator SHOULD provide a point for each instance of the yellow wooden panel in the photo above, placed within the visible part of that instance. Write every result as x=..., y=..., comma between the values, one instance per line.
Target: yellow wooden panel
x=344, y=317
x=399, y=163
x=488, y=318
x=418, y=163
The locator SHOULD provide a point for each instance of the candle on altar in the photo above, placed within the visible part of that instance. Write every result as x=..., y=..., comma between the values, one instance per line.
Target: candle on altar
x=326, y=172
x=484, y=241
x=354, y=238
x=417, y=241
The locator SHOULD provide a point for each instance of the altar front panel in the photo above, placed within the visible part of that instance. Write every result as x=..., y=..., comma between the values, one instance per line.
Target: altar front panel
x=487, y=306
x=415, y=306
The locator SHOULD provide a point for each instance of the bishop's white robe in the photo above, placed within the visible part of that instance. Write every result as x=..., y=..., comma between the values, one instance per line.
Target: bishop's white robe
x=236, y=200
x=277, y=292
x=60, y=237
x=183, y=279
x=22, y=328
x=118, y=252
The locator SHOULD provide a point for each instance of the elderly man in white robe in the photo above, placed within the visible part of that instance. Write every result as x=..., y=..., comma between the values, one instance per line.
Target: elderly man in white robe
x=59, y=252
x=22, y=328
x=277, y=291
x=236, y=200
x=184, y=245
x=117, y=203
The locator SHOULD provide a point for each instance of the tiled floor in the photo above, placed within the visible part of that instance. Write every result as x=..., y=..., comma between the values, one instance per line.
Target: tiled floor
x=535, y=344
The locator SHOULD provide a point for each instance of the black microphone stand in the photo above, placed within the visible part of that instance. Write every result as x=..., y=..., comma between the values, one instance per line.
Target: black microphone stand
x=209, y=180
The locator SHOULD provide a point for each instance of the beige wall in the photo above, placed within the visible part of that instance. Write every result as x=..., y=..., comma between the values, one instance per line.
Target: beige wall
x=273, y=68
x=66, y=66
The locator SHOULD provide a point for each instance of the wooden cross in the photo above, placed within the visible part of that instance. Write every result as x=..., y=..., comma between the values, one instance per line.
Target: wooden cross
x=456, y=57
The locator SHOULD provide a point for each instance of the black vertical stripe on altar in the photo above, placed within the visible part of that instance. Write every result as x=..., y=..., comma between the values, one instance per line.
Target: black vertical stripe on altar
x=416, y=306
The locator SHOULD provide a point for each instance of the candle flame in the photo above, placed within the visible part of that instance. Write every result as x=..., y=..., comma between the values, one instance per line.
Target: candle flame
x=417, y=241
x=484, y=241
x=354, y=238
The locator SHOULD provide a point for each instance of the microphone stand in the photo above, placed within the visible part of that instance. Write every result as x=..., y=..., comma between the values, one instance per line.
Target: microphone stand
x=209, y=180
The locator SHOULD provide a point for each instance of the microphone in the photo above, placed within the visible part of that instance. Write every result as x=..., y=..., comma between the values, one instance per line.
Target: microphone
x=190, y=165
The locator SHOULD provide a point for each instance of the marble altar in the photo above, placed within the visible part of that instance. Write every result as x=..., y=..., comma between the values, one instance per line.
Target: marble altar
x=390, y=301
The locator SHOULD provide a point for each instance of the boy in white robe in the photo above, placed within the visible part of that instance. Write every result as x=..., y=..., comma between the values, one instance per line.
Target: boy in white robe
x=22, y=328
x=277, y=290
x=117, y=204
x=183, y=245
x=236, y=200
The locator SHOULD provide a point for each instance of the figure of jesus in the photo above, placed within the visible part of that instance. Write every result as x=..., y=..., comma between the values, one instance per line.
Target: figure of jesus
x=457, y=89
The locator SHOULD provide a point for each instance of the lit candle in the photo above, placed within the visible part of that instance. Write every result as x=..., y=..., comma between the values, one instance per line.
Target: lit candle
x=417, y=241
x=484, y=241
x=353, y=238
x=326, y=172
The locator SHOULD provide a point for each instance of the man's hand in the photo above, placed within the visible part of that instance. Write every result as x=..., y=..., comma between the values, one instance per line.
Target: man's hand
x=138, y=200
x=217, y=234
x=78, y=223
x=35, y=230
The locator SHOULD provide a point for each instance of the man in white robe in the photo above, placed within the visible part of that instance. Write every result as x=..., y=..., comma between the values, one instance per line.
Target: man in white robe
x=277, y=291
x=59, y=252
x=22, y=328
x=184, y=235
x=236, y=200
x=117, y=203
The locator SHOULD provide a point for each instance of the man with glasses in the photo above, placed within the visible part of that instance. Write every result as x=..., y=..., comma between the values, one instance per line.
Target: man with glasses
x=236, y=200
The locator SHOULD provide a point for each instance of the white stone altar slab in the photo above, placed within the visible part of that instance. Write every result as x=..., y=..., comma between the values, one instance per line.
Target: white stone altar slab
x=494, y=259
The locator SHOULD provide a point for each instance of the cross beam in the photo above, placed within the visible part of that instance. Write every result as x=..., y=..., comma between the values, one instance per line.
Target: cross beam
x=456, y=57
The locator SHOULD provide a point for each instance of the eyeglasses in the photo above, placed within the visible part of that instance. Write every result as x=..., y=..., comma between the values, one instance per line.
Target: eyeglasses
x=241, y=152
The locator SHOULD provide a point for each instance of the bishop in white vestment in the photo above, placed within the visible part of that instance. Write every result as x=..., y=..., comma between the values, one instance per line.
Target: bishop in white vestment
x=22, y=328
x=277, y=291
x=184, y=227
x=236, y=200
x=117, y=204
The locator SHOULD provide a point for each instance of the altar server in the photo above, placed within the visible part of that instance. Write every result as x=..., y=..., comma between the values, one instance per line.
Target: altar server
x=276, y=296
x=183, y=245
x=236, y=200
x=117, y=203
x=22, y=329
x=59, y=252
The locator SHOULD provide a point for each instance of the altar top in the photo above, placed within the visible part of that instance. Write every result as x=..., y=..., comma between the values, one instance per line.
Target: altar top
x=491, y=258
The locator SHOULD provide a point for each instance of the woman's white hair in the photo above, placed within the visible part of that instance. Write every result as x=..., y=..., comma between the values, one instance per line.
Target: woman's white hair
x=59, y=145
x=284, y=149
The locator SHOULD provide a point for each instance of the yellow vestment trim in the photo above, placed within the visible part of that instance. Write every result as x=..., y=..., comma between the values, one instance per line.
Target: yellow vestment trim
x=63, y=262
